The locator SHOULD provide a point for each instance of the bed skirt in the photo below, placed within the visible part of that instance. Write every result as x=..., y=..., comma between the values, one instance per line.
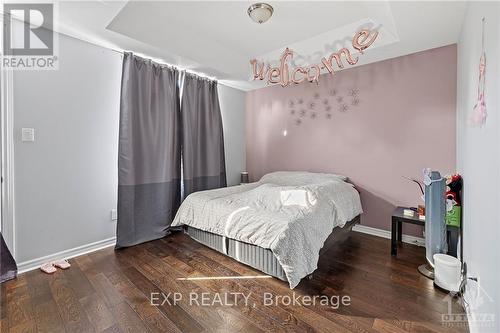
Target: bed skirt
x=256, y=256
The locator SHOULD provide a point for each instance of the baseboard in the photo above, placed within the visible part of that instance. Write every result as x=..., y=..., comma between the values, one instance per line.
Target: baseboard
x=387, y=234
x=66, y=254
x=87, y=248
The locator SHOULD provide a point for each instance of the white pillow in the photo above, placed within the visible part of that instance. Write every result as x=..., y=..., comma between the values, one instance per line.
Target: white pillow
x=298, y=178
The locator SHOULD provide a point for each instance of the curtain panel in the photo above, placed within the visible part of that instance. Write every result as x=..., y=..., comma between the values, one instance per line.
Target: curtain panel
x=149, y=159
x=203, y=160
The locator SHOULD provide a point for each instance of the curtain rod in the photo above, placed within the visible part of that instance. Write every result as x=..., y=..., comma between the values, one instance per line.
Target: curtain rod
x=187, y=71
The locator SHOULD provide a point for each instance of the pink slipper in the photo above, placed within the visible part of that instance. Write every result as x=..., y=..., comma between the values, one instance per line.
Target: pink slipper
x=62, y=264
x=48, y=268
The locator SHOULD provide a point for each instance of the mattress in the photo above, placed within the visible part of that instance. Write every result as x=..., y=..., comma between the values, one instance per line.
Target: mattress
x=255, y=256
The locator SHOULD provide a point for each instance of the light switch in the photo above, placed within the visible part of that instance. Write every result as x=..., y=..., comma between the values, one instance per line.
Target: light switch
x=114, y=215
x=27, y=134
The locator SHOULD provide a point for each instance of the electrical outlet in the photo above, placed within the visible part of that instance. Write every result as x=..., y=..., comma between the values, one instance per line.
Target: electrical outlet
x=114, y=215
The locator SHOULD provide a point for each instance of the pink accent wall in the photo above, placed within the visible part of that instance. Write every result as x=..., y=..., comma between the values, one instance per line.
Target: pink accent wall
x=403, y=120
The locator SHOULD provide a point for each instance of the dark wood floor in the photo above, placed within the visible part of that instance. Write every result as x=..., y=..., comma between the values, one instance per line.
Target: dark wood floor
x=109, y=291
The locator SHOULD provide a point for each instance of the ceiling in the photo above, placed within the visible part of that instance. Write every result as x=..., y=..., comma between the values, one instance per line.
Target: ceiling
x=217, y=38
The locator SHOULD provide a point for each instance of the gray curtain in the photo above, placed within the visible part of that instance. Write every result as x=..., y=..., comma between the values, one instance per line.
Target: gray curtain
x=202, y=136
x=149, y=151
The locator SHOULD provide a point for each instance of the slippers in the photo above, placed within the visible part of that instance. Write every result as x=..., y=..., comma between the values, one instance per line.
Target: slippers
x=48, y=268
x=62, y=264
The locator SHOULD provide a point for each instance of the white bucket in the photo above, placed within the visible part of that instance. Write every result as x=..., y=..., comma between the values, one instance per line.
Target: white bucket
x=447, y=272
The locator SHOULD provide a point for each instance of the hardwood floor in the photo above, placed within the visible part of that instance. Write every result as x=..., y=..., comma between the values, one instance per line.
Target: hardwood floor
x=110, y=291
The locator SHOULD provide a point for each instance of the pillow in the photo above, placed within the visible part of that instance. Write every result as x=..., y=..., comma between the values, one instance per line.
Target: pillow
x=298, y=178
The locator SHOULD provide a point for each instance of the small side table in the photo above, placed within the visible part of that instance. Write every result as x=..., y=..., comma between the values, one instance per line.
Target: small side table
x=398, y=218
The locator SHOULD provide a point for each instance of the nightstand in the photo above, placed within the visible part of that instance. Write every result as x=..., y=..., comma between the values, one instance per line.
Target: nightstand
x=398, y=218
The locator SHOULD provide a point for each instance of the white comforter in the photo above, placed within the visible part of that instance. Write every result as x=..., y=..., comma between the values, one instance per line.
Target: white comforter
x=290, y=213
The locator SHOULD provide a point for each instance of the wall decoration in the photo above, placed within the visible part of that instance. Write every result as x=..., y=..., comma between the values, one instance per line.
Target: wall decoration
x=343, y=108
x=284, y=75
x=323, y=107
x=479, y=113
x=363, y=140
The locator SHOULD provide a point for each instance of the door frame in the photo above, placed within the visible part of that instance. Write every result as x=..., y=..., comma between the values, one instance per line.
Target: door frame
x=7, y=210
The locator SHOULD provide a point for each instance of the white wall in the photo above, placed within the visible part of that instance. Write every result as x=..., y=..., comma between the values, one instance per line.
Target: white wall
x=66, y=181
x=232, y=104
x=478, y=152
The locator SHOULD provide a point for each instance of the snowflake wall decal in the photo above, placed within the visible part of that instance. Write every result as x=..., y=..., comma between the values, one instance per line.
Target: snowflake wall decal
x=353, y=92
x=314, y=106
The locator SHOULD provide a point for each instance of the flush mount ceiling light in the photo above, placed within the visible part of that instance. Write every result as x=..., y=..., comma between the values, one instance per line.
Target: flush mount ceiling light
x=260, y=12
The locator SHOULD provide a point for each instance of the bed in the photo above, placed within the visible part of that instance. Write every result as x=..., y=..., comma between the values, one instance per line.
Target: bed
x=278, y=225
